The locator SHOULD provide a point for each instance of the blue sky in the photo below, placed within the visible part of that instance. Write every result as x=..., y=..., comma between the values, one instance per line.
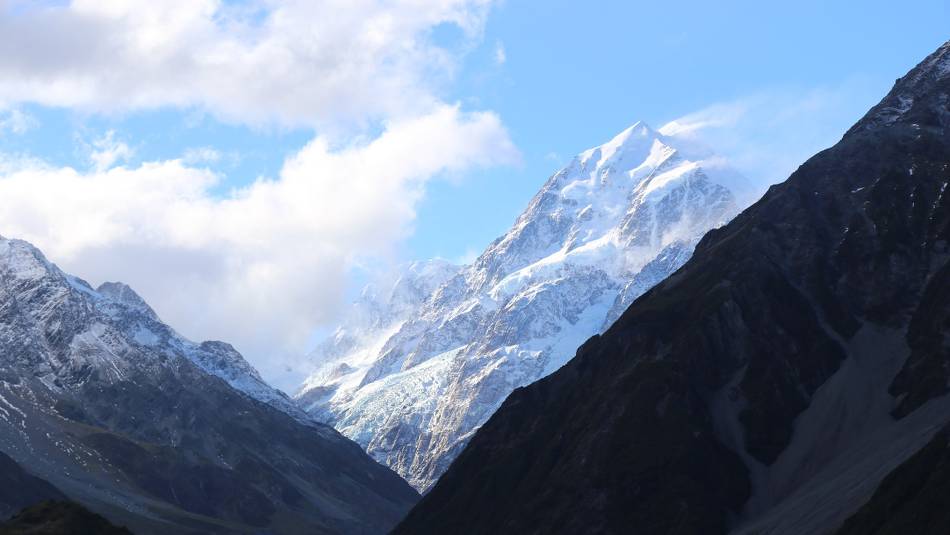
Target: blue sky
x=242, y=163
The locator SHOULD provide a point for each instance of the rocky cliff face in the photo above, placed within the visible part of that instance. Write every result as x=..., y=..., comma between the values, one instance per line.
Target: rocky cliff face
x=617, y=220
x=101, y=399
x=765, y=387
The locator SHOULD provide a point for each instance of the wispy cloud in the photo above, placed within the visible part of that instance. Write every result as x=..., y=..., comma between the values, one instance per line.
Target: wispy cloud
x=767, y=135
x=501, y=56
x=469, y=256
x=201, y=155
x=16, y=121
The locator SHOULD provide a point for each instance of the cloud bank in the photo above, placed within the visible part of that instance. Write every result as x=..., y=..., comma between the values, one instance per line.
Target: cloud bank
x=294, y=62
x=262, y=265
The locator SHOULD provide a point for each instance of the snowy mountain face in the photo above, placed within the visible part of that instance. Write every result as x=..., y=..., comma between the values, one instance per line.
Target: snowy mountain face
x=413, y=387
x=124, y=309
x=115, y=305
x=119, y=412
x=383, y=307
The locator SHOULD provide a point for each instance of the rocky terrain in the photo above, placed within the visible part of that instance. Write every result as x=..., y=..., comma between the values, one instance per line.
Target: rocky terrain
x=772, y=383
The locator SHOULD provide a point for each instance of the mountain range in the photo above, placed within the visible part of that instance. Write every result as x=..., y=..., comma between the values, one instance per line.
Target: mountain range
x=425, y=359
x=791, y=377
x=638, y=353
x=103, y=404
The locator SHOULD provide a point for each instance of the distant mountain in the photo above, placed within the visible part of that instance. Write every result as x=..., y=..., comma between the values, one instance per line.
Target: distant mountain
x=429, y=359
x=101, y=399
x=139, y=323
x=771, y=383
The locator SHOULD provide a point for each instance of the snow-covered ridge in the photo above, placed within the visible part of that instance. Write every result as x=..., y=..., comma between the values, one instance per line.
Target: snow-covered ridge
x=115, y=318
x=618, y=219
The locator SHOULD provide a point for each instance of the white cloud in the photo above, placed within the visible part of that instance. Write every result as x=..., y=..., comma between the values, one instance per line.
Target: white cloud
x=469, y=256
x=265, y=265
x=290, y=62
x=201, y=155
x=106, y=151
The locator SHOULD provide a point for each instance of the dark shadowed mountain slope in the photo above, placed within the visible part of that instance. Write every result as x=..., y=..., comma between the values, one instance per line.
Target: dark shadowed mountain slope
x=160, y=434
x=914, y=498
x=59, y=518
x=767, y=386
x=19, y=489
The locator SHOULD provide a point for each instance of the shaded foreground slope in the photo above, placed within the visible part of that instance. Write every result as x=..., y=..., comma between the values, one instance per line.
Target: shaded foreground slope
x=768, y=385
x=59, y=518
x=915, y=498
x=19, y=489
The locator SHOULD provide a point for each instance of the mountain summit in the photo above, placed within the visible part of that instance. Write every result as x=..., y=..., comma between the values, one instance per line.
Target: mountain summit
x=771, y=383
x=413, y=385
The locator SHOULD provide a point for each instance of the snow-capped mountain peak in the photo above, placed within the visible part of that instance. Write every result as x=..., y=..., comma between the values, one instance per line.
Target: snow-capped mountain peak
x=22, y=261
x=617, y=219
x=114, y=317
x=631, y=145
x=122, y=293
